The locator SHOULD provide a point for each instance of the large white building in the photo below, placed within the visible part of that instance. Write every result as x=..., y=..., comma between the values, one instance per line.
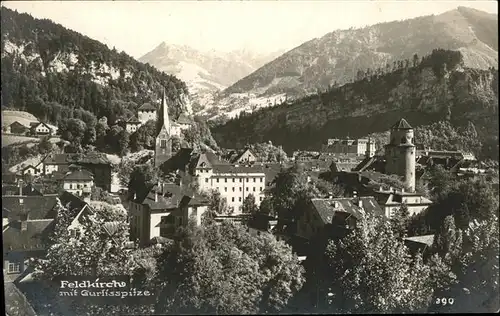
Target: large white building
x=234, y=182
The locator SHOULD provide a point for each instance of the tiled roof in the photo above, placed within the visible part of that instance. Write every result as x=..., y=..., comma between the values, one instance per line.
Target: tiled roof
x=326, y=209
x=72, y=204
x=401, y=124
x=17, y=124
x=79, y=175
x=237, y=169
x=168, y=196
x=147, y=107
x=37, y=207
x=425, y=239
x=33, y=238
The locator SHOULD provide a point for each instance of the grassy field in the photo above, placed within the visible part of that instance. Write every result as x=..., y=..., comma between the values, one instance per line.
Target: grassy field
x=25, y=118
x=8, y=139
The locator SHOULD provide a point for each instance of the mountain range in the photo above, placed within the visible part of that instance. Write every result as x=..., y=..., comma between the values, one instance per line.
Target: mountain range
x=205, y=73
x=339, y=56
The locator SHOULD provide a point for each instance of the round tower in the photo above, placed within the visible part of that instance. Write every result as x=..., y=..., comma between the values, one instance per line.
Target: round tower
x=401, y=153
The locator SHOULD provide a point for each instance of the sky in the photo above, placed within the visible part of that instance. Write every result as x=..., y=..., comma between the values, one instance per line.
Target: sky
x=261, y=26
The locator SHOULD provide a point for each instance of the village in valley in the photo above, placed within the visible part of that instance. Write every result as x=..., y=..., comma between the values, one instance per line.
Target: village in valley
x=363, y=224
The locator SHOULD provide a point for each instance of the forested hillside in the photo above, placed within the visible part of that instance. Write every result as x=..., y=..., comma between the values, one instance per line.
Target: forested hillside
x=435, y=88
x=57, y=74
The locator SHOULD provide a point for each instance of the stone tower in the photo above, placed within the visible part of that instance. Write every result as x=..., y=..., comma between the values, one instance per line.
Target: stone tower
x=163, y=146
x=400, y=153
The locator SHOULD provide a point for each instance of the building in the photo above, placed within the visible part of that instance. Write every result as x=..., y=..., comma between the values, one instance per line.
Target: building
x=162, y=211
x=132, y=124
x=400, y=153
x=28, y=222
x=17, y=128
x=419, y=243
x=146, y=112
x=184, y=122
x=33, y=170
x=391, y=200
x=261, y=223
x=244, y=156
x=78, y=182
x=96, y=163
x=233, y=181
x=163, y=142
x=40, y=128
x=334, y=214
x=350, y=147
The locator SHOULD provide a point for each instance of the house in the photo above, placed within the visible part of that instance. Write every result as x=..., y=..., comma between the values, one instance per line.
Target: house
x=233, y=181
x=350, y=147
x=17, y=128
x=184, y=121
x=391, y=200
x=28, y=221
x=244, y=156
x=97, y=163
x=334, y=214
x=79, y=182
x=147, y=112
x=132, y=124
x=40, y=128
x=161, y=211
x=32, y=170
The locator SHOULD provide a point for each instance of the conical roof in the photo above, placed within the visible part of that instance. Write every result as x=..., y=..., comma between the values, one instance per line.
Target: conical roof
x=401, y=124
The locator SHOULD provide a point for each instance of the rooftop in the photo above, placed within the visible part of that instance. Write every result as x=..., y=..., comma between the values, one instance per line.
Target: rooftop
x=79, y=175
x=37, y=207
x=401, y=124
x=34, y=237
x=425, y=239
x=326, y=207
x=147, y=107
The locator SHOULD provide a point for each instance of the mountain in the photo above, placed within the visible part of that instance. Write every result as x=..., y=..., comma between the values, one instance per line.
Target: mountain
x=437, y=88
x=205, y=72
x=341, y=56
x=58, y=74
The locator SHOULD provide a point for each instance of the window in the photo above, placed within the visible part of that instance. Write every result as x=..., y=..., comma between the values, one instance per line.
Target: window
x=225, y=189
x=163, y=143
x=254, y=180
x=261, y=198
x=217, y=180
x=233, y=189
x=240, y=189
x=254, y=189
x=248, y=189
x=232, y=199
x=241, y=180
x=248, y=179
x=225, y=180
x=261, y=179
x=260, y=189
x=206, y=180
x=239, y=199
x=14, y=267
x=234, y=180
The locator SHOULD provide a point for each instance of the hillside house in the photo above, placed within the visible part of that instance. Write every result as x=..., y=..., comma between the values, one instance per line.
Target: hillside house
x=17, y=128
x=244, y=156
x=334, y=214
x=40, y=128
x=350, y=147
x=161, y=211
x=78, y=182
x=33, y=170
x=132, y=124
x=147, y=112
x=96, y=163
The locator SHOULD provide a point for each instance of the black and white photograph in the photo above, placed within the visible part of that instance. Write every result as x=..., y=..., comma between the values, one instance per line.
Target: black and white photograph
x=249, y=157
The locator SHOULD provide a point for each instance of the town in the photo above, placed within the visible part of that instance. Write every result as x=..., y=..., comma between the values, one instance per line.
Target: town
x=119, y=198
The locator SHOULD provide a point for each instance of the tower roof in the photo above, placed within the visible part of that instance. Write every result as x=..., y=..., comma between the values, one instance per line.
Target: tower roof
x=401, y=124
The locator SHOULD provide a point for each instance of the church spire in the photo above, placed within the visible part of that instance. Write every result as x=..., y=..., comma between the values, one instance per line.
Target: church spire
x=164, y=109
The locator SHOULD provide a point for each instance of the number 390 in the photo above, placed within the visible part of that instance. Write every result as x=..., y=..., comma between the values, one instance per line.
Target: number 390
x=445, y=301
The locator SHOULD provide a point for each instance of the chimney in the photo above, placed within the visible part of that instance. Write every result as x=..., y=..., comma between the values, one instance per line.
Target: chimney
x=402, y=190
x=360, y=203
x=381, y=189
x=390, y=189
x=24, y=222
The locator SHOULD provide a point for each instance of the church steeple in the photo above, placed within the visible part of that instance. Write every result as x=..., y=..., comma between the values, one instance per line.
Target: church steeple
x=163, y=149
x=165, y=120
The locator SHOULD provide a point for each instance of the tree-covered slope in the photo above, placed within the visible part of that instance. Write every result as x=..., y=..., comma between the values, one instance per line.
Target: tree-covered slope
x=436, y=88
x=339, y=55
x=56, y=74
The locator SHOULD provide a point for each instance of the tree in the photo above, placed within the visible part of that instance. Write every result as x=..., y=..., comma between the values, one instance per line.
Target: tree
x=45, y=146
x=73, y=131
x=372, y=271
x=249, y=206
x=142, y=178
x=415, y=60
x=400, y=221
x=222, y=269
